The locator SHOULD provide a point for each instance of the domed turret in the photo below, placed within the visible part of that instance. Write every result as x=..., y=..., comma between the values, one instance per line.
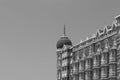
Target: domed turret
x=64, y=40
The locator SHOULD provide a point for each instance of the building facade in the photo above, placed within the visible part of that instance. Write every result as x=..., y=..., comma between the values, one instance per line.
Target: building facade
x=96, y=58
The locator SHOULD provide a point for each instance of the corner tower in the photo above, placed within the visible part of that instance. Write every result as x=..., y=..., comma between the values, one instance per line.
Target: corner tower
x=64, y=40
x=63, y=57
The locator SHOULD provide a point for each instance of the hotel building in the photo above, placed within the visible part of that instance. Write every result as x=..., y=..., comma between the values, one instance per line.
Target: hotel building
x=96, y=58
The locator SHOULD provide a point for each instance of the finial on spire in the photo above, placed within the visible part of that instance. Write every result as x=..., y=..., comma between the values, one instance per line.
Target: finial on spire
x=64, y=30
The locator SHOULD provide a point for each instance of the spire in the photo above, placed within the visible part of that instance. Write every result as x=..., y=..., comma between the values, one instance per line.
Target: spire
x=64, y=30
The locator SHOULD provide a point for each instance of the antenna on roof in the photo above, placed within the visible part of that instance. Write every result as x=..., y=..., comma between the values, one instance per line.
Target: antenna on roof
x=64, y=30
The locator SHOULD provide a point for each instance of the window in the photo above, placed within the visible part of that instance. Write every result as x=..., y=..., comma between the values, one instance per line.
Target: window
x=88, y=63
x=77, y=54
x=90, y=50
x=104, y=58
x=97, y=47
x=97, y=73
x=112, y=69
x=86, y=51
x=96, y=60
x=80, y=76
x=88, y=75
x=81, y=65
x=110, y=41
x=80, y=53
x=112, y=55
x=104, y=72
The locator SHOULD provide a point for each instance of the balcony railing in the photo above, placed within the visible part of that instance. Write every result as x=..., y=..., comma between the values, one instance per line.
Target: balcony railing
x=103, y=61
x=104, y=72
x=88, y=64
x=96, y=66
x=81, y=78
x=95, y=76
x=90, y=55
x=98, y=52
x=112, y=60
x=75, y=71
x=87, y=78
x=103, y=75
x=112, y=73
x=96, y=61
x=81, y=69
x=87, y=67
x=114, y=45
x=105, y=50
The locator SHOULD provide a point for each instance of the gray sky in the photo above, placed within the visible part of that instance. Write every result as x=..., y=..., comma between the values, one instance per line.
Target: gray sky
x=29, y=30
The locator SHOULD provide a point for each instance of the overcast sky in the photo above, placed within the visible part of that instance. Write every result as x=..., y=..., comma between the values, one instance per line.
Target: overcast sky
x=29, y=30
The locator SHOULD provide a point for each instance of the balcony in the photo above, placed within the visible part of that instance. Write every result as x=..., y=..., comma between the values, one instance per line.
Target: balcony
x=75, y=71
x=103, y=76
x=87, y=67
x=114, y=45
x=95, y=76
x=90, y=55
x=81, y=77
x=104, y=59
x=76, y=61
x=112, y=60
x=96, y=64
x=87, y=79
x=81, y=69
x=104, y=63
x=105, y=50
x=83, y=58
x=112, y=74
x=98, y=52
x=104, y=72
x=88, y=64
x=88, y=76
x=112, y=70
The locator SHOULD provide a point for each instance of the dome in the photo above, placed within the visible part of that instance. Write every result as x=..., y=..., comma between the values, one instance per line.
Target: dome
x=63, y=41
